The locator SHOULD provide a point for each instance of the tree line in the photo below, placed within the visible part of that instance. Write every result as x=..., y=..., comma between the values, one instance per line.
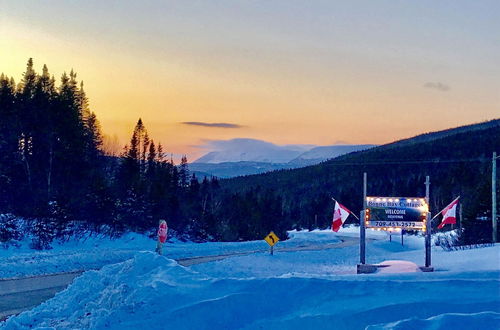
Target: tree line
x=55, y=175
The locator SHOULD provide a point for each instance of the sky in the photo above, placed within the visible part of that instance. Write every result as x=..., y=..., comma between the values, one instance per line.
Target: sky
x=287, y=72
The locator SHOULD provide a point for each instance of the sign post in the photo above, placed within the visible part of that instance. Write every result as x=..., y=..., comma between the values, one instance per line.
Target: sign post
x=271, y=239
x=162, y=236
x=494, y=197
x=428, y=228
x=362, y=219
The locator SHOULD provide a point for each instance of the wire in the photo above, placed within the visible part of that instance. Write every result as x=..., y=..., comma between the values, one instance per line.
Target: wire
x=410, y=162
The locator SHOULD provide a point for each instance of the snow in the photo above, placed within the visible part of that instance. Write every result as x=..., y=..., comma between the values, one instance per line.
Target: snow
x=484, y=320
x=252, y=150
x=296, y=288
x=97, y=251
x=398, y=266
x=242, y=149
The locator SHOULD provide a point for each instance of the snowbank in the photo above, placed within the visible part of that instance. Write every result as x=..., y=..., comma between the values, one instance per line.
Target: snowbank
x=483, y=321
x=154, y=292
x=309, y=283
x=96, y=251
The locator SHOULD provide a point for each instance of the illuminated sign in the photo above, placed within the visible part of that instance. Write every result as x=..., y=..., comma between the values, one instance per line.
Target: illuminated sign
x=388, y=213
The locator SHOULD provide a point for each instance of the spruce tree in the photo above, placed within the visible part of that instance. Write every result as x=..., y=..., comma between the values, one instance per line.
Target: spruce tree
x=184, y=172
x=10, y=160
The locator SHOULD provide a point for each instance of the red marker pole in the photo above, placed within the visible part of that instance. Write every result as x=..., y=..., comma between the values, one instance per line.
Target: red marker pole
x=162, y=236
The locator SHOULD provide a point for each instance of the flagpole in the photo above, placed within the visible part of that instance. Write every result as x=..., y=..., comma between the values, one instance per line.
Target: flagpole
x=354, y=215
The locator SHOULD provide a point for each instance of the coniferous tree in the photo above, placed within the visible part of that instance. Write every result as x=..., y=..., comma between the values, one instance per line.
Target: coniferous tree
x=184, y=172
x=151, y=160
x=10, y=160
x=27, y=115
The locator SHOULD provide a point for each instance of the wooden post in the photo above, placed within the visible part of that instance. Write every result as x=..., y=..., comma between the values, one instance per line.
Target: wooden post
x=494, y=196
x=402, y=235
x=362, y=229
x=428, y=225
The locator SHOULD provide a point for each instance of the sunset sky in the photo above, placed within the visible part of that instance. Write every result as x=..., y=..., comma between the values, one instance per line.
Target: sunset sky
x=287, y=72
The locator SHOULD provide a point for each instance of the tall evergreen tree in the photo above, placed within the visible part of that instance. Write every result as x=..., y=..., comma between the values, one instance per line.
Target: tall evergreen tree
x=184, y=172
x=27, y=114
x=10, y=160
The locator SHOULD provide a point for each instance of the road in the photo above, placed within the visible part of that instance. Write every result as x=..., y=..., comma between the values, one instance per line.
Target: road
x=20, y=294
x=346, y=241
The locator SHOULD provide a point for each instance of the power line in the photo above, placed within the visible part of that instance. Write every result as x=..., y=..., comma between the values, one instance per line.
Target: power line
x=410, y=162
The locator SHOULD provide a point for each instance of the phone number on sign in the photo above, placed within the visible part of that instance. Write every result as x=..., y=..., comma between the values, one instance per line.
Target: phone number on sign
x=402, y=224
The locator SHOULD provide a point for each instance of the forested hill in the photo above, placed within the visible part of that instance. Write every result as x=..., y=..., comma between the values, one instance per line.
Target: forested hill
x=458, y=162
x=427, y=137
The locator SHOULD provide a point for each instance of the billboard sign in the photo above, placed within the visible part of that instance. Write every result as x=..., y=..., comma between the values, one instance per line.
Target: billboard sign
x=389, y=213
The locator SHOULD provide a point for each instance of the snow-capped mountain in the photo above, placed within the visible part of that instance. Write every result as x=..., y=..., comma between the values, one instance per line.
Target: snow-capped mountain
x=248, y=156
x=251, y=150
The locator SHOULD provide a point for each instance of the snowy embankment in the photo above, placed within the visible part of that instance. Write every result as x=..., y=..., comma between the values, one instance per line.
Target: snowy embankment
x=95, y=252
x=290, y=290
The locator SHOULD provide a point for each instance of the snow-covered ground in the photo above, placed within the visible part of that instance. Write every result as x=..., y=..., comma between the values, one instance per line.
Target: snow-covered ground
x=289, y=290
x=96, y=252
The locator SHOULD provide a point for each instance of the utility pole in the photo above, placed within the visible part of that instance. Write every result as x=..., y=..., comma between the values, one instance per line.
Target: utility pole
x=494, y=195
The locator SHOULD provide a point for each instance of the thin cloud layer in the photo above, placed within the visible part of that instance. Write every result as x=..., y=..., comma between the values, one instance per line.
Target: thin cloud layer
x=216, y=125
x=437, y=86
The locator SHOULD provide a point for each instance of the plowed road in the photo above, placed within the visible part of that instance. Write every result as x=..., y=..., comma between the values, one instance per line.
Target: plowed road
x=20, y=294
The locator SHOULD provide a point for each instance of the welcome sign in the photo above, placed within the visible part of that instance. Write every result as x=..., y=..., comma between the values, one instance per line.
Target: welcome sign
x=396, y=212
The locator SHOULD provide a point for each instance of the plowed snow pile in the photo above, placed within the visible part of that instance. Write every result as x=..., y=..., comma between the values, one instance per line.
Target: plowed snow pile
x=154, y=292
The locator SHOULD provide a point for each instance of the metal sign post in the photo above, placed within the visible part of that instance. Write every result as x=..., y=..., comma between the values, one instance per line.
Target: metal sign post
x=271, y=239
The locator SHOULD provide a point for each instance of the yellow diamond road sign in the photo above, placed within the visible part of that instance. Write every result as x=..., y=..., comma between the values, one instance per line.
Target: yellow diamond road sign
x=271, y=238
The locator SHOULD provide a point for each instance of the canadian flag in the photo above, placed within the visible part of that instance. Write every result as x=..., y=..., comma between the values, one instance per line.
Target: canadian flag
x=340, y=214
x=449, y=214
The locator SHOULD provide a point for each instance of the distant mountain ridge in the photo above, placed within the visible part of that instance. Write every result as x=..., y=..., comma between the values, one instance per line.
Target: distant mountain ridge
x=252, y=150
x=233, y=169
x=427, y=137
x=322, y=153
x=257, y=157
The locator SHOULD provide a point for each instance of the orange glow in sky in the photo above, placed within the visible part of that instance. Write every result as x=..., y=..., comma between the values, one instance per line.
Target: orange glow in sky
x=286, y=72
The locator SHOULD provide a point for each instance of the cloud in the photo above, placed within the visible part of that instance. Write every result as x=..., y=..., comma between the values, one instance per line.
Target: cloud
x=437, y=86
x=217, y=125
